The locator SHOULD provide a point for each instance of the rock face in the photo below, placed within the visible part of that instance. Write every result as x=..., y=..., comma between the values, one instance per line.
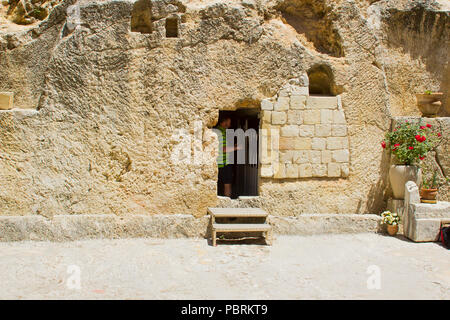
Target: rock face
x=107, y=85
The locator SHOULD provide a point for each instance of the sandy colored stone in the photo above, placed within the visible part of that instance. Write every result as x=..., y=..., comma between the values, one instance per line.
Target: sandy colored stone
x=6, y=100
x=289, y=131
x=306, y=130
x=338, y=117
x=279, y=117
x=326, y=156
x=317, y=102
x=291, y=170
x=311, y=117
x=105, y=101
x=322, y=130
x=326, y=116
x=340, y=155
x=295, y=117
x=316, y=156
x=297, y=102
x=266, y=104
x=302, y=156
x=282, y=104
x=338, y=130
x=266, y=171
x=318, y=143
x=319, y=170
x=334, y=169
x=305, y=170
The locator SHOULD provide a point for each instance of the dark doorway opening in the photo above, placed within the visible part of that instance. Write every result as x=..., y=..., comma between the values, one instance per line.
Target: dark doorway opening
x=171, y=28
x=246, y=161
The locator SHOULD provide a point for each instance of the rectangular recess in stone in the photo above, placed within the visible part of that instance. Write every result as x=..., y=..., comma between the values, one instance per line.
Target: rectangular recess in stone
x=6, y=100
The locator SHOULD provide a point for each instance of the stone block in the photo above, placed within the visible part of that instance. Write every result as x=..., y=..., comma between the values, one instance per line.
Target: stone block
x=338, y=117
x=282, y=104
x=305, y=170
x=267, y=116
x=294, y=117
x=326, y=156
x=301, y=156
x=6, y=100
x=279, y=171
x=320, y=102
x=300, y=91
x=341, y=155
x=423, y=230
x=291, y=171
x=266, y=171
x=286, y=156
x=302, y=143
x=335, y=143
x=316, y=156
x=326, y=116
x=289, y=131
x=279, y=117
x=338, y=130
x=323, y=130
x=318, y=144
x=334, y=170
x=345, y=170
x=287, y=143
x=298, y=102
x=266, y=104
x=306, y=130
x=285, y=92
x=311, y=117
x=319, y=170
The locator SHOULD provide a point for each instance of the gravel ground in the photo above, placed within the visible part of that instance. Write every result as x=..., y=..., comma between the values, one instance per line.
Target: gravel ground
x=295, y=267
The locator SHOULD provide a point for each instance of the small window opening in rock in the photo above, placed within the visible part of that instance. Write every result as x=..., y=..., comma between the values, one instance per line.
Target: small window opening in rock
x=241, y=174
x=321, y=81
x=141, y=17
x=171, y=28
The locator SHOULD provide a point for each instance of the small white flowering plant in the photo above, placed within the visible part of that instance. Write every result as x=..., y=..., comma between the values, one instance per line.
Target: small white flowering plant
x=390, y=218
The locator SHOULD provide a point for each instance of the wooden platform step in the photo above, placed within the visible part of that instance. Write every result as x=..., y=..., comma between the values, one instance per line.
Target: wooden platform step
x=241, y=227
x=237, y=212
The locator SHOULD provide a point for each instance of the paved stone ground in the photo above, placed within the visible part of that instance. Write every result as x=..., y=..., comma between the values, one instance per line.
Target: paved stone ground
x=310, y=267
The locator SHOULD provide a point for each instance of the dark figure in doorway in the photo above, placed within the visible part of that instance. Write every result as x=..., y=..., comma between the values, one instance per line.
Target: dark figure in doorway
x=225, y=178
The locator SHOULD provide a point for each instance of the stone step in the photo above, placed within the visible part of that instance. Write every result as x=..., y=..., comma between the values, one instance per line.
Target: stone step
x=241, y=227
x=237, y=212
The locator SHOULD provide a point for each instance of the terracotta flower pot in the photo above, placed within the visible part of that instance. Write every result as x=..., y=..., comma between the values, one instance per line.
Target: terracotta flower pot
x=392, y=230
x=399, y=175
x=428, y=195
x=429, y=104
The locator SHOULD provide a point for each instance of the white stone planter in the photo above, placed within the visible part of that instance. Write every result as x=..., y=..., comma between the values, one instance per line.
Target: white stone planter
x=399, y=175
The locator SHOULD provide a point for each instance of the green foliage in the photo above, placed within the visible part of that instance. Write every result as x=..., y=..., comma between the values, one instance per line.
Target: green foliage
x=410, y=142
x=430, y=183
x=428, y=92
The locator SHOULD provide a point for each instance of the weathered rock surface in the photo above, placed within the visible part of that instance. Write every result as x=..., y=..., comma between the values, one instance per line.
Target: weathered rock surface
x=109, y=100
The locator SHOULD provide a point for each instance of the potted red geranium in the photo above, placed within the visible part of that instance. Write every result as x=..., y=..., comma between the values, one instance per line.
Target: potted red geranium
x=409, y=143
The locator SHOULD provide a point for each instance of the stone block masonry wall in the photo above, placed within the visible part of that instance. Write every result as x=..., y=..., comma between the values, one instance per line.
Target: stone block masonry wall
x=303, y=136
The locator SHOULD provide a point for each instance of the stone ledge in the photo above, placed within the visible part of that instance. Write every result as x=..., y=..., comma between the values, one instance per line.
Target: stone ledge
x=309, y=224
x=78, y=227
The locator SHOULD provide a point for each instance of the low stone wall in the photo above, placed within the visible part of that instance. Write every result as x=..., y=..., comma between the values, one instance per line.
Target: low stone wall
x=78, y=227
